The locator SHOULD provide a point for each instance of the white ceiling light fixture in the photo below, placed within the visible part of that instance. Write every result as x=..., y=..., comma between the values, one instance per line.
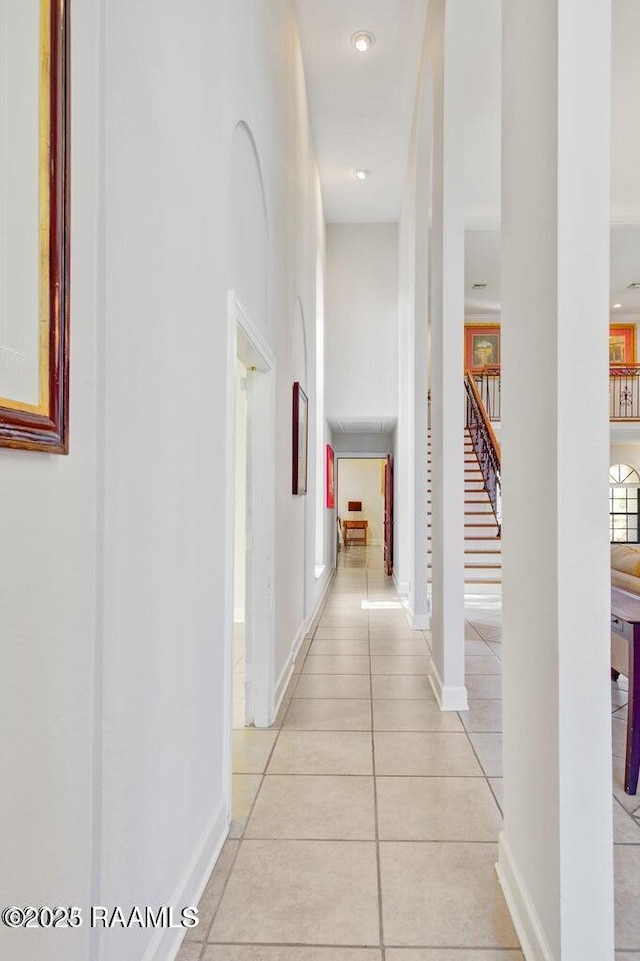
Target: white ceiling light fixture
x=363, y=41
x=634, y=285
x=617, y=306
x=361, y=174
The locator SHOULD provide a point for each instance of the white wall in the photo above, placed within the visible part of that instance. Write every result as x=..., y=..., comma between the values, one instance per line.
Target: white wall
x=362, y=321
x=625, y=453
x=360, y=479
x=362, y=443
x=48, y=597
x=555, y=859
x=113, y=559
x=411, y=497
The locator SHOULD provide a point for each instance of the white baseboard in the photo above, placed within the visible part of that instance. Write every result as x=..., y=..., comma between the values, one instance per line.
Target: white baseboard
x=287, y=671
x=402, y=587
x=419, y=622
x=533, y=940
x=448, y=698
x=166, y=942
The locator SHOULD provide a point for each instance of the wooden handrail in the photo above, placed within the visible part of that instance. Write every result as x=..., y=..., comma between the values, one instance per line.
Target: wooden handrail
x=494, y=369
x=474, y=388
x=485, y=445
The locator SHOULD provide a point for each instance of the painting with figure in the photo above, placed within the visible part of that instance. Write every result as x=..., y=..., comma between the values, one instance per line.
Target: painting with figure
x=622, y=343
x=482, y=345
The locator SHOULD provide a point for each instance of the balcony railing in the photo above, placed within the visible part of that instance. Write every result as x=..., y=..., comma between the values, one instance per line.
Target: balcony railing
x=624, y=391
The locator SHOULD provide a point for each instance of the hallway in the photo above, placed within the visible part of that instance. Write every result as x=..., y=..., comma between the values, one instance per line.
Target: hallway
x=360, y=762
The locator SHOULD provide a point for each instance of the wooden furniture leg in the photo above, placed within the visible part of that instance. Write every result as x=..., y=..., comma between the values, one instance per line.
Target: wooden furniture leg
x=632, y=766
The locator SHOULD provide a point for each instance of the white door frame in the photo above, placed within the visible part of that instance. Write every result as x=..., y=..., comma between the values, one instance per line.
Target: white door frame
x=247, y=344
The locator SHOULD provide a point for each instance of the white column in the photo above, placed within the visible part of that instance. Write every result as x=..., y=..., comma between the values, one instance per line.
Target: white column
x=447, y=306
x=419, y=595
x=556, y=845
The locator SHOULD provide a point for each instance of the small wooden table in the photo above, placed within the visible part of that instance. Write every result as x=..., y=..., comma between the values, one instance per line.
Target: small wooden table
x=349, y=526
x=625, y=623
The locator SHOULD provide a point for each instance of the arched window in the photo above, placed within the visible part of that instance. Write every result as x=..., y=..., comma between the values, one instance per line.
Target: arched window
x=624, y=482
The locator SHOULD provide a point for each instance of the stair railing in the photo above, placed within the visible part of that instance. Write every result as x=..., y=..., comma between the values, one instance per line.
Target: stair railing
x=485, y=445
x=487, y=380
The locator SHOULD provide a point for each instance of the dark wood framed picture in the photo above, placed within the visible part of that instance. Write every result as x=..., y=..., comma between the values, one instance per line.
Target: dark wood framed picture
x=34, y=226
x=300, y=437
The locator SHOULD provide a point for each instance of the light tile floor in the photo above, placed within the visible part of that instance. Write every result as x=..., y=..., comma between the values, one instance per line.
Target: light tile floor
x=365, y=821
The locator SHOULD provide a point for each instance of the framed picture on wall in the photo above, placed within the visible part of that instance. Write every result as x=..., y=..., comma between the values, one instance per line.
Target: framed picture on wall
x=331, y=478
x=622, y=343
x=481, y=345
x=300, y=437
x=35, y=227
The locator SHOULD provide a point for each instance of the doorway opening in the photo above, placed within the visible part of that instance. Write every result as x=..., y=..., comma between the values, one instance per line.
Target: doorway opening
x=364, y=496
x=240, y=672
x=249, y=529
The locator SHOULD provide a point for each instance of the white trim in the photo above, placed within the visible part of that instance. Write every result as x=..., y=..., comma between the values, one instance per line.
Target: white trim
x=359, y=455
x=229, y=535
x=402, y=587
x=252, y=335
x=448, y=698
x=489, y=218
x=238, y=615
x=482, y=218
x=419, y=622
x=166, y=942
x=625, y=216
x=246, y=342
x=533, y=940
x=287, y=671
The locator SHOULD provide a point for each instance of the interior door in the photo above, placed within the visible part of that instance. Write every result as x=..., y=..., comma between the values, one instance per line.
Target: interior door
x=388, y=516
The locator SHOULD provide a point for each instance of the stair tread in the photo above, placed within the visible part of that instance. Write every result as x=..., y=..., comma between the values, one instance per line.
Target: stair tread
x=479, y=537
x=482, y=581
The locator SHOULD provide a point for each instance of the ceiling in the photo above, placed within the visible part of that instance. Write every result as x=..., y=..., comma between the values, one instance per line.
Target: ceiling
x=362, y=107
x=482, y=173
x=363, y=425
x=482, y=265
x=361, y=104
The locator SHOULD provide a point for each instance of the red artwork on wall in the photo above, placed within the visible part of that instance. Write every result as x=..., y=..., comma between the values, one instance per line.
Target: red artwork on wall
x=331, y=483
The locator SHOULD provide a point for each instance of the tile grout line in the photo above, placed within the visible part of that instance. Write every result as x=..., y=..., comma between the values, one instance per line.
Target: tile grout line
x=482, y=768
x=263, y=774
x=375, y=796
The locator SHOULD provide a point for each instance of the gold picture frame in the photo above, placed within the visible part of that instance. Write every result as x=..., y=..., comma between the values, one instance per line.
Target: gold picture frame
x=41, y=423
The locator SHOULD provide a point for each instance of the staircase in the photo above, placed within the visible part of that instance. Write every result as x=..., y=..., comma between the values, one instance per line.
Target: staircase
x=482, y=550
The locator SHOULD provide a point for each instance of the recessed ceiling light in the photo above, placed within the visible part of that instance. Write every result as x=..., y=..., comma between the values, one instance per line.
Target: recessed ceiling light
x=634, y=285
x=617, y=306
x=363, y=41
x=361, y=174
